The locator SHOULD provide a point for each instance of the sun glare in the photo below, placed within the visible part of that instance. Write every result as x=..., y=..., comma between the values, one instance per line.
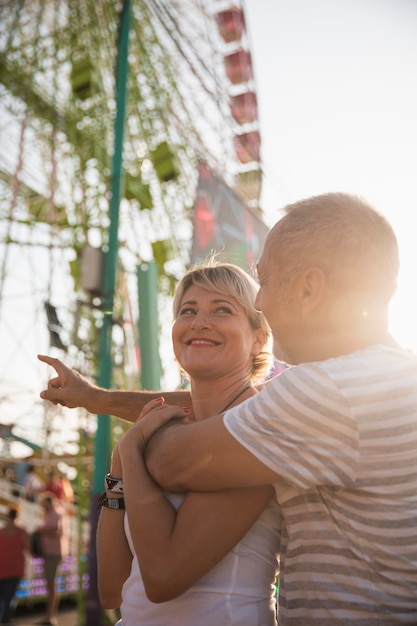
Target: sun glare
x=403, y=312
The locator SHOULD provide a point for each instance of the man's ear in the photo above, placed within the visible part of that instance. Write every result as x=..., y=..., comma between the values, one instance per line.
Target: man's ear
x=312, y=287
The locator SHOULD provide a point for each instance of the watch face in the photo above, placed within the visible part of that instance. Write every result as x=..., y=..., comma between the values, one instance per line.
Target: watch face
x=111, y=503
x=115, y=503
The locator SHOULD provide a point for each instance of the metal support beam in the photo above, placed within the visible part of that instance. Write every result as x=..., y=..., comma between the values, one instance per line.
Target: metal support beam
x=148, y=325
x=94, y=615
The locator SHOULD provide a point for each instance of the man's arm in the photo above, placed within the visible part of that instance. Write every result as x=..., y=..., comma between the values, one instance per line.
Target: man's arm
x=203, y=456
x=71, y=389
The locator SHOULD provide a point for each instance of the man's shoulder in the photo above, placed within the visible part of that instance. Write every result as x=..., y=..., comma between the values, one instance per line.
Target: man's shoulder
x=378, y=358
x=377, y=361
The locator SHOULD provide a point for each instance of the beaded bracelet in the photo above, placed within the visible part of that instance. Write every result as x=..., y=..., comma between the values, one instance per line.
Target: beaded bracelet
x=115, y=485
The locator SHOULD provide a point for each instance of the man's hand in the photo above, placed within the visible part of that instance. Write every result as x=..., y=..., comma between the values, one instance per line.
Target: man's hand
x=68, y=388
x=71, y=389
x=203, y=456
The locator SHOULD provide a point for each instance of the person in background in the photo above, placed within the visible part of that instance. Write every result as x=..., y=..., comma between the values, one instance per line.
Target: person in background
x=336, y=433
x=32, y=485
x=68, y=490
x=55, y=486
x=54, y=538
x=14, y=545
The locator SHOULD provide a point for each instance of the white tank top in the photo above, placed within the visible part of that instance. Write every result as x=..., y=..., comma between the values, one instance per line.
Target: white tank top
x=238, y=591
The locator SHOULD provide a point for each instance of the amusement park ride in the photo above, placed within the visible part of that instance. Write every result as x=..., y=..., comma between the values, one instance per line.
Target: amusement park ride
x=190, y=102
x=190, y=97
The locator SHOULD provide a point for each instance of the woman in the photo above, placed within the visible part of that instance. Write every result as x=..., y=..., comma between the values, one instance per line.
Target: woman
x=202, y=558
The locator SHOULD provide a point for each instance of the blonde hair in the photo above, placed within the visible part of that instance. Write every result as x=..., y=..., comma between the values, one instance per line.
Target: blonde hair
x=230, y=280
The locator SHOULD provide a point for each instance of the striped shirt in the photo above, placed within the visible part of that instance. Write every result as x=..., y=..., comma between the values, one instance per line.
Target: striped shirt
x=342, y=434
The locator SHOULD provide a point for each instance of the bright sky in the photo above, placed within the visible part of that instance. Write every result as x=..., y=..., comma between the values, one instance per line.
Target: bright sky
x=337, y=93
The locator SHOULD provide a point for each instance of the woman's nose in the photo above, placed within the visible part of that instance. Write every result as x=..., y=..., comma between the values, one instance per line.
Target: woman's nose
x=200, y=320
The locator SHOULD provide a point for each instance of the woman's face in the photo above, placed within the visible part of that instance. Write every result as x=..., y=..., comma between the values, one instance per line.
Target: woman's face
x=212, y=336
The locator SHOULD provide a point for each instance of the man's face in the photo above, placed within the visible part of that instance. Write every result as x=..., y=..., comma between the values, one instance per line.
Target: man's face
x=275, y=300
x=46, y=505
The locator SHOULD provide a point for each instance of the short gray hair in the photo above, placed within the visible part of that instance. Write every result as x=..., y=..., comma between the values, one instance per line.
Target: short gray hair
x=341, y=234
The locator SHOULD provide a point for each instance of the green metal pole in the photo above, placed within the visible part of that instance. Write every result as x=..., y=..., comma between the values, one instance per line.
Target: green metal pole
x=148, y=325
x=110, y=267
x=102, y=453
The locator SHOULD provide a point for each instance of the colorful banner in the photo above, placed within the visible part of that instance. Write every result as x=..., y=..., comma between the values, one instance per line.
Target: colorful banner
x=223, y=224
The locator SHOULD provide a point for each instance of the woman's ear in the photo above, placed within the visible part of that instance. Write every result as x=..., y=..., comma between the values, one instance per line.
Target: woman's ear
x=260, y=339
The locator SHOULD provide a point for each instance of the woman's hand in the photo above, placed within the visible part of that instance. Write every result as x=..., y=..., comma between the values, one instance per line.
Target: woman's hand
x=154, y=415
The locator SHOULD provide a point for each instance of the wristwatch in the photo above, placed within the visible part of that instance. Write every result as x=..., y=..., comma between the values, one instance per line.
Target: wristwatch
x=117, y=504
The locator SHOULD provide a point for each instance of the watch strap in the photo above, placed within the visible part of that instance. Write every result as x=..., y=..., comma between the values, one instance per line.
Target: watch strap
x=117, y=504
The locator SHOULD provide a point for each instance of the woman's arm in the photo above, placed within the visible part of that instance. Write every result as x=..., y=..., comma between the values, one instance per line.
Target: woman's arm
x=114, y=558
x=71, y=389
x=176, y=548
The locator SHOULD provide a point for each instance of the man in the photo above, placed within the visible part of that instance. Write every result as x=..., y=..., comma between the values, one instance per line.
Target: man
x=14, y=546
x=336, y=434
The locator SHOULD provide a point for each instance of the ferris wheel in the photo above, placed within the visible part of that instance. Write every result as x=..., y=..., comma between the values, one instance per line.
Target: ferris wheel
x=191, y=97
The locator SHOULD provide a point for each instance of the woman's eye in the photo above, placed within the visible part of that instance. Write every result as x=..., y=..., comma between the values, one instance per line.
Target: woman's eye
x=223, y=309
x=187, y=311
